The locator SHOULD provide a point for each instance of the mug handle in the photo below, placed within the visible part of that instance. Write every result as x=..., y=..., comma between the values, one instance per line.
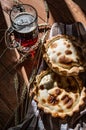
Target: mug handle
x=10, y=38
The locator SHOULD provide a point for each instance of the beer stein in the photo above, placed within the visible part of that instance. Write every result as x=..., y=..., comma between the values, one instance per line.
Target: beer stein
x=23, y=32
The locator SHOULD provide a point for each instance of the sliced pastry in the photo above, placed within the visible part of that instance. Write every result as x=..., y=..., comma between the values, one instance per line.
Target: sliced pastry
x=62, y=55
x=58, y=95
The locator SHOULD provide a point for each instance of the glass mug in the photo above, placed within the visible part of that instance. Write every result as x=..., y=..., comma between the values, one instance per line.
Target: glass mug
x=24, y=26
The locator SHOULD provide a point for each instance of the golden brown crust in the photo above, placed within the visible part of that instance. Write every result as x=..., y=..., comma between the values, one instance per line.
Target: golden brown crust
x=58, y=95
x=63, y=57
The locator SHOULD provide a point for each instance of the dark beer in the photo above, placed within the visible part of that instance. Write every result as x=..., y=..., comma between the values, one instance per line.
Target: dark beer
x=25, y=29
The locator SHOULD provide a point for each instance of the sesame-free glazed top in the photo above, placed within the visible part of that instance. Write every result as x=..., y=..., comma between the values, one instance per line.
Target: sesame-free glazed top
x=61, y=55
x=58, y=95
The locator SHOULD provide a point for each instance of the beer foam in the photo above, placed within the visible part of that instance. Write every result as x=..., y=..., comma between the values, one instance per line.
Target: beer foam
x=23, y=22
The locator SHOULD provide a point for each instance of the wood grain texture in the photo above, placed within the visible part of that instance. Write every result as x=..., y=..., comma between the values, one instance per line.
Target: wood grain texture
x=65, y=11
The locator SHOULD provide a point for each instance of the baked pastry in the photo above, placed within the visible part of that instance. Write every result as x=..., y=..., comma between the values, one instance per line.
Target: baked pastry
x=58, y=95
x=61, y=55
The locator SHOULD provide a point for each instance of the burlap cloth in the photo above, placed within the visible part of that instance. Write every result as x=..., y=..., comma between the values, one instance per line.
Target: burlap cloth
x=38, y=120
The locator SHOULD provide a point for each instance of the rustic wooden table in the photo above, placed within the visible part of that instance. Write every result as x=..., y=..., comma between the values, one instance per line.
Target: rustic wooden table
x=65, y=11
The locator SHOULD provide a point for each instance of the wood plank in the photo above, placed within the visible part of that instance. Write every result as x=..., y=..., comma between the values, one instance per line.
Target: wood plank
x=7, y=89
x=65, y=11
x=60, y=10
